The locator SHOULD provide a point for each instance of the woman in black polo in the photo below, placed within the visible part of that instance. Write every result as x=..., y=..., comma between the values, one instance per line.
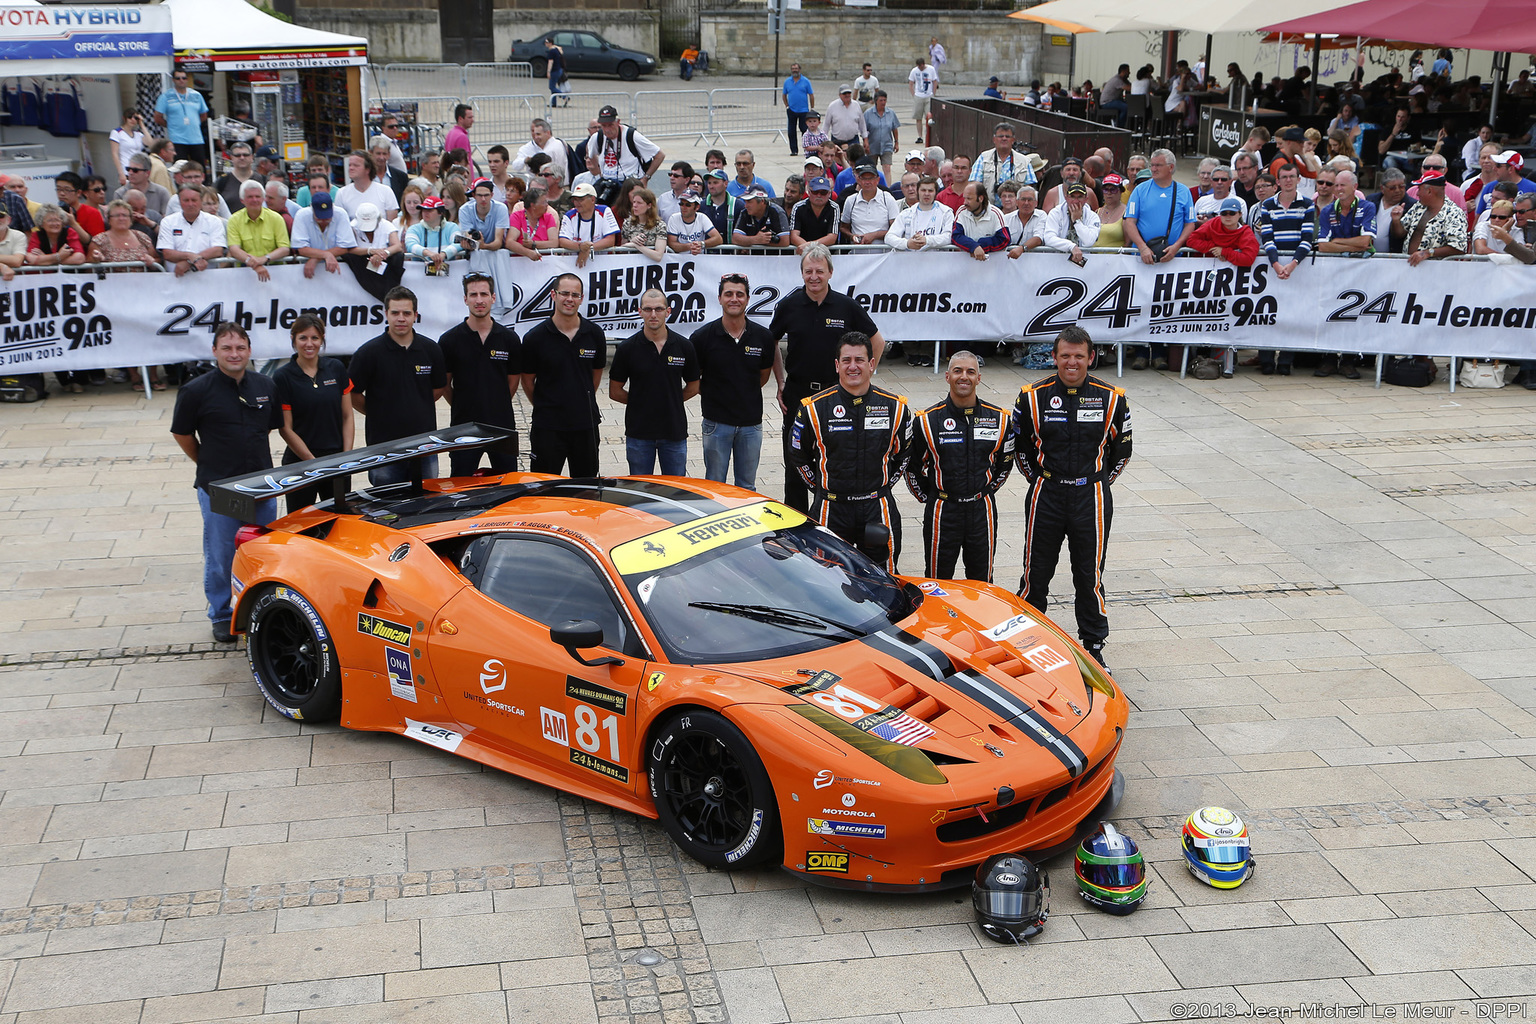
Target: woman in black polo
x=317, y=415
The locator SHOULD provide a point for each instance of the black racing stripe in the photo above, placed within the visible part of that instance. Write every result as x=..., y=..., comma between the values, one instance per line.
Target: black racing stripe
x=926, y=648
x=1016, y=710
x=893, y=647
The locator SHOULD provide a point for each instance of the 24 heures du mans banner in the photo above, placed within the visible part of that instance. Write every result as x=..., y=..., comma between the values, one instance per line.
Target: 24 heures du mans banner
x=84, y=321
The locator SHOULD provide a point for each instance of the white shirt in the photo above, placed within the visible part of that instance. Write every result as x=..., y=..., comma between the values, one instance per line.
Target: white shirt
x=1141, y=87
x=1208, y=205
x=349, y=199
x=1470, y=152
x=844, y=120
x=865, y=215
x=601, y=225
x=1062, y=234
x=685, y=232
x=1483, y=230
x=381, y=237
x=206, y=232
x=933, y=224
x=1019, y=233
x=668, y=204
x=864, y=88
x=923, y=80
x=127, y=145
x=614, y=157
x=554, y=149
x=307, y=234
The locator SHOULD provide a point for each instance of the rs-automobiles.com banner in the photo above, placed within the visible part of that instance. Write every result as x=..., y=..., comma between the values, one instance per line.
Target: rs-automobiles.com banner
x=82, y=321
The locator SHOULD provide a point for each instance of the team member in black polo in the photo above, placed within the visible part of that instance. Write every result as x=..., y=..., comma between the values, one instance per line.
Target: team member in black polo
x=221, y=421
x=485, y=364
x=814, y=218
x=814, y=318
x=663, y=373
x=563, y=360
x=735, y=358
x=400, y=373
x=312, y=393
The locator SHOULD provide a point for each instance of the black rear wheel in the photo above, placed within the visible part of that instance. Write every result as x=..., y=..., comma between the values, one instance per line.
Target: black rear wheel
x=628, y=70
x=540, y=67
x=712, y=793
x=293, y=657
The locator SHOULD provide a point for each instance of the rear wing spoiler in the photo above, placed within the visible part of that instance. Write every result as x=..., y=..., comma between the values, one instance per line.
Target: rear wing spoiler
x=237, y=496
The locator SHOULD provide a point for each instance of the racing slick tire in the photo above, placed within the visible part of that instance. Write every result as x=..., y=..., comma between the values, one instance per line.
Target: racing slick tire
x=293, y=657
x=712, y=793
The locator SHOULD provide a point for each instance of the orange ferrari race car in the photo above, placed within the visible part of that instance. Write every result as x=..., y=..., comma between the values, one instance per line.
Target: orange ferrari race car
x=684, y=650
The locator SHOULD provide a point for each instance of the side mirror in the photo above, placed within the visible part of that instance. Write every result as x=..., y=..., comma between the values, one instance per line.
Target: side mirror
x=877, y=535
x=577, y=634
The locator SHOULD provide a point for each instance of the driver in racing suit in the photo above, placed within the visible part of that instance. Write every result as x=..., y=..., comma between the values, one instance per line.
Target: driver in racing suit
x=850, y=444
x=1073, y=434
x=962, y=452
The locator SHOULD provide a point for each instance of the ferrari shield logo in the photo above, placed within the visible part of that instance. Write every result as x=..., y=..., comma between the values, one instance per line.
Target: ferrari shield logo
x=654, y=680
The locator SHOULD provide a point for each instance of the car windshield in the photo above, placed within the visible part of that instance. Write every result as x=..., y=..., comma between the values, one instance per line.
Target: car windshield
x=769, y=595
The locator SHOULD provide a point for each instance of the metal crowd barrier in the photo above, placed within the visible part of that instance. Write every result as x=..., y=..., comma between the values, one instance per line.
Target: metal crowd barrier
x=674, y=114
x=506, y=118
x=432, y=111
x=401, y=80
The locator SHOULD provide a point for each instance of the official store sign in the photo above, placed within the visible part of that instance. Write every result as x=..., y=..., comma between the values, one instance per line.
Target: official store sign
x=73, y=31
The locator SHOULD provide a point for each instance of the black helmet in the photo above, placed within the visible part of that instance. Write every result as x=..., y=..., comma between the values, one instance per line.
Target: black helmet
x=1012, y=897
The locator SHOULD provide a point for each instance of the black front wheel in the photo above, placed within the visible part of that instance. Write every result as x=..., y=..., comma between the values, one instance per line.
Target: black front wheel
x=712, y=793
x=293, y=656
x=628, y=70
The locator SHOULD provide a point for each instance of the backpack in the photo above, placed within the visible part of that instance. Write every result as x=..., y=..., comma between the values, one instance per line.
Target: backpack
x=1408, y=372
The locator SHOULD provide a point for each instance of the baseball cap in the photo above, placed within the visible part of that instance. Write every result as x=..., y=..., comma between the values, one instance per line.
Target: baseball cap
x=1072, y=160
x=1511, y=158
x=478, y=183
x=178, y=166
x=1231, y=204
x=320, y=202
x=368, y=216
x=607, y=115
x=718, y=172
x=1145, y=174
x=916, y=154
x=1437, y=180
x=812, y=115
x=1077, y=188
x=1114, y=179
x=689, y=196
x=584, y=189
x=992, y=80
x=866, y=167
x=432, y=203
x=267, y=153
x=845, y=89
x=1293, y=134
x=819, y=184
x=755, y=192
x=814, y=160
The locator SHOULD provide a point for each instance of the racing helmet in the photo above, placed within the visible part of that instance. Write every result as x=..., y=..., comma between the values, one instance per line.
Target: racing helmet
x=1110, y=871
x=1216, y=848
x=1012, y=897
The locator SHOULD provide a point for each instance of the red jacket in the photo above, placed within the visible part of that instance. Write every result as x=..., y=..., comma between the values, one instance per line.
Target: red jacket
x=1239, y=248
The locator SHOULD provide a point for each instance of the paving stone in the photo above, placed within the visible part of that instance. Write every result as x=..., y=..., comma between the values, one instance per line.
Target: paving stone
x=75, y=979
x=1404, y=868
x=107, y=878
x=1259, y=956
x=490, y=938
x=1450, y=943
x=322, y=953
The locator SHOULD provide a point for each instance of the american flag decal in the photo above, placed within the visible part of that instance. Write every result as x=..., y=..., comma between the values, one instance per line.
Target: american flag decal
x=903, y=729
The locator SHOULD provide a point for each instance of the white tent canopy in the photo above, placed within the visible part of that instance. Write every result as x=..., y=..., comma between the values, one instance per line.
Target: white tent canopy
x=231, y=35
x=1207, y=16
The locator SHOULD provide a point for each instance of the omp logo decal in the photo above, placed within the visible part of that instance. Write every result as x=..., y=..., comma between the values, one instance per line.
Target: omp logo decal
x=825, y=863
x=394, y=632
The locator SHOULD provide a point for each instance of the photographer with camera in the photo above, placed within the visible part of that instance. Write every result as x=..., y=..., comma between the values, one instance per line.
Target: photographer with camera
x=622, y=153
x=434, y=238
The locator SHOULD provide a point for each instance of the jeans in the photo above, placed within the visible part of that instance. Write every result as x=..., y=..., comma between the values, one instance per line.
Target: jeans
x=643, y=454
x=1121, y=109
x=724, y=443
x=219, y=552
x=796, y=129
x=399, y=472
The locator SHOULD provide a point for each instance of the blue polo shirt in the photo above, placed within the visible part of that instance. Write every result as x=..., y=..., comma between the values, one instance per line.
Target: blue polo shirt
x=1150, y=204
x=183, y=116
x=735, y=188
x=797, y=94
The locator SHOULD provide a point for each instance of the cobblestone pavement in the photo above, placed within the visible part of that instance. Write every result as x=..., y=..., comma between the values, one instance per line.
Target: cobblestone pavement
x=1323, y=607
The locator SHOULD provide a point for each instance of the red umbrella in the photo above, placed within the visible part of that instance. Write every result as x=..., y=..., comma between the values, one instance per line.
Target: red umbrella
x=1497, y=25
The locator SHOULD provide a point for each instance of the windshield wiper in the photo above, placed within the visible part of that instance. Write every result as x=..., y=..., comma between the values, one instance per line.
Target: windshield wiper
x=788, y=618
